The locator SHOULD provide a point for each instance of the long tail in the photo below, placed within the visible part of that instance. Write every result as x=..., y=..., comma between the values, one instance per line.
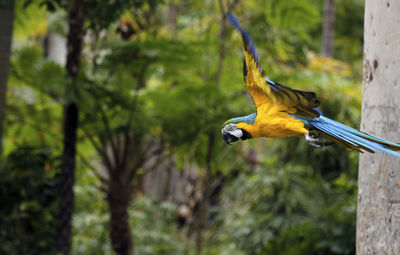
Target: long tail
x=353, y=138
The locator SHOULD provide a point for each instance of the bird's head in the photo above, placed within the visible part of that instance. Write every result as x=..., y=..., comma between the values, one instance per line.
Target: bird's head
x=231, y=133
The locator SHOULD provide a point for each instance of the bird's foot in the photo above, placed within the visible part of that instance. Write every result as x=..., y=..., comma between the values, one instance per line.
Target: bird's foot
x=316, y=141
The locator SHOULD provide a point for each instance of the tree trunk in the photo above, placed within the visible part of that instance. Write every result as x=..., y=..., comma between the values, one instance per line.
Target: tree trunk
x=203, y=206
x=171, y=17
x=118, y=198
x=56, y=48
x=6, y=28
x=207, y=189
x=327, y=29
x=378, y=212
x=70, y=125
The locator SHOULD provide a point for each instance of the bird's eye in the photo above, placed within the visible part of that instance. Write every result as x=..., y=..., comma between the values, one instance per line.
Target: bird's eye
x=230, y=127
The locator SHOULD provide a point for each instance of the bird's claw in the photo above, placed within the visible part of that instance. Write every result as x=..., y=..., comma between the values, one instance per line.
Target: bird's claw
x=315, y=141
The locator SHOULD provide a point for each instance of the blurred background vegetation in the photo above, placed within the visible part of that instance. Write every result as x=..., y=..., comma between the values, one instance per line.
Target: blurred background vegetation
x=156, y=81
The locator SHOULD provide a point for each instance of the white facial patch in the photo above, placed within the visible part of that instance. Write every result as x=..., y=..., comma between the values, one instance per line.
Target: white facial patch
x=229, y=127
x=238, y=133
x=233, y=130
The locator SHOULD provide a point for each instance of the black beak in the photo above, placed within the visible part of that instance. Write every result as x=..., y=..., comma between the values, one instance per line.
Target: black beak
x=228, y=138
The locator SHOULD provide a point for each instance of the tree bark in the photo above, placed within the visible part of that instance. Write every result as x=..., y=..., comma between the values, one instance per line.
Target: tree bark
x=328, y=28
x=6, y=28
x=70, y=126
x=118, y=198
x=378, y=212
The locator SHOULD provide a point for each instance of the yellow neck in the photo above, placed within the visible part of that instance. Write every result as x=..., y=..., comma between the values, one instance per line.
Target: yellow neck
x=252, y=129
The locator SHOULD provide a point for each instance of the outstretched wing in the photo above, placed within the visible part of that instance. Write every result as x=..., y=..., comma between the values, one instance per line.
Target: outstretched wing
x=265, y=91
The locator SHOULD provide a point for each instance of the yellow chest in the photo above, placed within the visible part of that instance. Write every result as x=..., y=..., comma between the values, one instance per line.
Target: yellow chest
x=279, y=124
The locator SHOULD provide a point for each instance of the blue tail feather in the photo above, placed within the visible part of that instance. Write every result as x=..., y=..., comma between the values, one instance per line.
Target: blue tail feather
x=332, y=133
x=351, y=137
x=359, y=133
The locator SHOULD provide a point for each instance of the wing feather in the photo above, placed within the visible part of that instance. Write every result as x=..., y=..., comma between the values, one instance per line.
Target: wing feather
x=263, y=90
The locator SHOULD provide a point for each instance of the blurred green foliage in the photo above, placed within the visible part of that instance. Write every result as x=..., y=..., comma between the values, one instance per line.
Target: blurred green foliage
x=294, y=200
x=28, y=194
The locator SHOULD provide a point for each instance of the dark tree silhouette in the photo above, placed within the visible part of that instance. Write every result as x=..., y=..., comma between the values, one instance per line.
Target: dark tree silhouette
x=70, y=126
x=6, y=27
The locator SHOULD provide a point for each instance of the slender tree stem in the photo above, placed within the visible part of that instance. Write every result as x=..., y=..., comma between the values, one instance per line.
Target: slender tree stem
x=70, y=126
x=6, y=27
x=328, y=28
x=207, y=187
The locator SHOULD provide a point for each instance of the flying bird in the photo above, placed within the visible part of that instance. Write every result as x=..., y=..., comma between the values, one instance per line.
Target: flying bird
x=283, y=111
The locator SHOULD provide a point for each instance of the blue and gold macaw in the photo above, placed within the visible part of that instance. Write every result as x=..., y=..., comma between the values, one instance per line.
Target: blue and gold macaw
x=283, y=111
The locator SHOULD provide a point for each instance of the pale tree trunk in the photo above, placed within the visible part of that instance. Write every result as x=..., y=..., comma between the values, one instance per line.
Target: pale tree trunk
x=327, y=29
x=378, y=212
x=6, y=27
x=56, y=48
x=171, y=17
